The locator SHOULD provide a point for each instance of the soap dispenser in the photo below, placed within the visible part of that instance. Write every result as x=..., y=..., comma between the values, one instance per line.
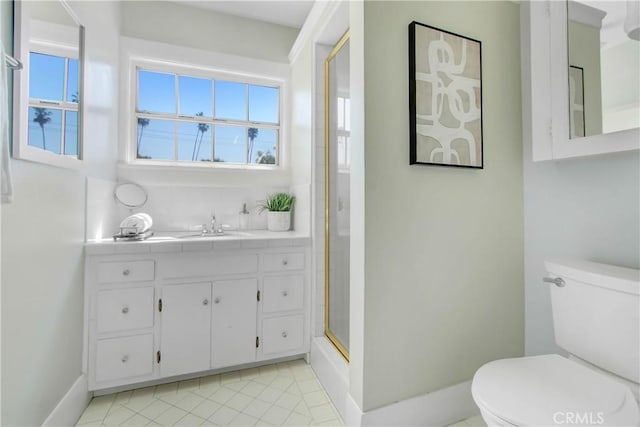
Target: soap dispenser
x=243, y=218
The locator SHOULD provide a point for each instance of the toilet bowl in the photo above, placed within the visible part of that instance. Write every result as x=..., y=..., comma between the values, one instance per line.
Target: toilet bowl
x=596, y=316
x=551, y=390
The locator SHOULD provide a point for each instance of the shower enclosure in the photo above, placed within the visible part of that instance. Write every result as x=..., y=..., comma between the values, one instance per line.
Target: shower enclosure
x=337, y=195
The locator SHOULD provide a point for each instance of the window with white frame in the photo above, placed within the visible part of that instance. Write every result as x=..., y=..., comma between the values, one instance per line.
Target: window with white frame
x=189, y=118
x=53, y=103
x=344, y=132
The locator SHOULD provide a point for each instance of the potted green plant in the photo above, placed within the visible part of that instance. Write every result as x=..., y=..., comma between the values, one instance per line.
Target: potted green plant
x=279, y=206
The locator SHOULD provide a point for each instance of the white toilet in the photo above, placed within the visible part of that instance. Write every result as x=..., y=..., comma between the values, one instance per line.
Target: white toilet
x=596, y=317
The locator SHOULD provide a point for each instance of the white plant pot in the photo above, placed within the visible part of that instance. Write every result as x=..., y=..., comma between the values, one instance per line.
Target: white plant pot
x=278, y=221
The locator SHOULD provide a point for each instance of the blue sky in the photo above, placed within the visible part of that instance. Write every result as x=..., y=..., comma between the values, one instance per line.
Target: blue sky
x=157, y=94
x=47, y=81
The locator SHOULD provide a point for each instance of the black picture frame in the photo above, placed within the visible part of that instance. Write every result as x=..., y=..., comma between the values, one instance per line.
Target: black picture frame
x=576, y=109
x=455, y=81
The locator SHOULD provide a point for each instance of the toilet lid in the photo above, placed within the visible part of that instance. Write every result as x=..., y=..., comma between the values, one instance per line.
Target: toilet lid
x=552, y=390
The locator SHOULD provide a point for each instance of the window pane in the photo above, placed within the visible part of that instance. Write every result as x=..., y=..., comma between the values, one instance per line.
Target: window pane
x=194, y=142
x=263, y=146
x=155, y=139
x=45, y=129
x=230, y=144
x=263, y=104
x=340, y=111
x=347, y=114
x=156, y=92
x=71, y=133
x=72, y=81
x=195, y=96
x=231, y=100
x=46, y=76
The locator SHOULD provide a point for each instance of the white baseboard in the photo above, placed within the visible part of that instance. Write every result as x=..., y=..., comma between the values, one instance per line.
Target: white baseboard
x=439, y=408
x=352, y=413
x=71, y=406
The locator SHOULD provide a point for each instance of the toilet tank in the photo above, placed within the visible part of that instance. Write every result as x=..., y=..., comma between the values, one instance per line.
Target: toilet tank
x=596, y=314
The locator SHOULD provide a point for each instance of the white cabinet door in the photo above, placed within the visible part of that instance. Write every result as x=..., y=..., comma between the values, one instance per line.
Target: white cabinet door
x=185, y=328
x=234, y=322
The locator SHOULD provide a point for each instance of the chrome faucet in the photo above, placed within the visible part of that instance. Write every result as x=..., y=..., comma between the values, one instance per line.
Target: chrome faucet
x=213, y=224
x=213, y=228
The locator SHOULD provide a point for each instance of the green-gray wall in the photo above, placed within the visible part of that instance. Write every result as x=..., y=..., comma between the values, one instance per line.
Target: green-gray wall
x=443, y=246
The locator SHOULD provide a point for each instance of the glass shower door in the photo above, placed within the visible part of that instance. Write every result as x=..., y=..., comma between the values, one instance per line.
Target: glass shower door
x=337, y=195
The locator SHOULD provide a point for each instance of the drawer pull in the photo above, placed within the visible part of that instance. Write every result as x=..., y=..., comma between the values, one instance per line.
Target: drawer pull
x=125, y=358
x=126, y=272
x=216, y=301
x=125, y=309
x=285, y=293
x=284, y=334
x=285, y=262
x=205, y=302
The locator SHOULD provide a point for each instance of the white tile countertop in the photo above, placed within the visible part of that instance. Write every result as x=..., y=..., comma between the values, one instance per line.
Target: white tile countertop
x=187, y=241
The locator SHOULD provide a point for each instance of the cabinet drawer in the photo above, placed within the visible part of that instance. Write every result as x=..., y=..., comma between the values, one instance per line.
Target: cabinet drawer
x=201, y=264
x=283, y=262
x=126, y=271
x=281, y=334
x=282, y=293
x=124, y=357
x=124, y=309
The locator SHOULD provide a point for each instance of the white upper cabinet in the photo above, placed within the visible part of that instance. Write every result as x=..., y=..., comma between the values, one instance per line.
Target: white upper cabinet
x=580, y=79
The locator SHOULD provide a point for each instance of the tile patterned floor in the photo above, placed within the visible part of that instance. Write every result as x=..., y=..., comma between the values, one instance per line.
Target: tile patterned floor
x=476, y=421
x=284, y=394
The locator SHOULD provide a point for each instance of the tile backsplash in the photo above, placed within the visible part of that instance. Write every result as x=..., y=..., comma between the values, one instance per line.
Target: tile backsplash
x=176, y=208
x=185, y=208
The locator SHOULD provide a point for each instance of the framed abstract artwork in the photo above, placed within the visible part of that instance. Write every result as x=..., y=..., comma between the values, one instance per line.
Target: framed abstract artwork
x=445, y=98
x=576, y=102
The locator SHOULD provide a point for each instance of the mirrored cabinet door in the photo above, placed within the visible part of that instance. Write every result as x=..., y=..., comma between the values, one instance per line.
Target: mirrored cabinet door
x=49, y=40
x=604, y=67
x=581, y=74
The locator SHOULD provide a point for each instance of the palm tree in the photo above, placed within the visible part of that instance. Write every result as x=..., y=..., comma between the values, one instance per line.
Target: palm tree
x=202, y=129
x=43, y=116
x=253, y=134
x=265, y=158
x=143, y=123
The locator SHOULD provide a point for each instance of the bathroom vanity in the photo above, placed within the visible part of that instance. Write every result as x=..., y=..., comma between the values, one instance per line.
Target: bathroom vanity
x=171, y=306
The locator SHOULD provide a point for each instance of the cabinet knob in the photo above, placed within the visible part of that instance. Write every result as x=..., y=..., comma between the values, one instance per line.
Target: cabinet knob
x=284, y=334
x=205, y=302
x=125, y=358
x=285, y=262
x=125, y=309
x=126, y=272
x=285, y=293
x=216, y=301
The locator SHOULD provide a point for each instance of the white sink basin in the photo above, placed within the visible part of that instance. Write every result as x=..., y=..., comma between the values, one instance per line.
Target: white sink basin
x=198, y=235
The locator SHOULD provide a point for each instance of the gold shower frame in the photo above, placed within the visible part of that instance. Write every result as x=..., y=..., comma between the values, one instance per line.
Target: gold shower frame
x=327, y=331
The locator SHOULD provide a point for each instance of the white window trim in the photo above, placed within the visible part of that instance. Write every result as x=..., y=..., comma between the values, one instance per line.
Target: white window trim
x=154, y=56
x=29, y=39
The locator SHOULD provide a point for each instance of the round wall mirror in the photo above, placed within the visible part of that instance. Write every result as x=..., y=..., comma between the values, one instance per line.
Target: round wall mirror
x=130, y=195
